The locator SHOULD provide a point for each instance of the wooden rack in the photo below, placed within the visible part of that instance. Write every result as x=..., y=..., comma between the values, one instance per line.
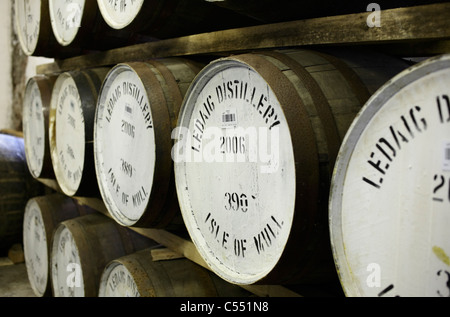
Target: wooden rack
x=419, y=31
x=414, y=31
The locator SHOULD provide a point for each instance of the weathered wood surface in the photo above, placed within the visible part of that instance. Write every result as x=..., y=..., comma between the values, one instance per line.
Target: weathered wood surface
x=417, y=26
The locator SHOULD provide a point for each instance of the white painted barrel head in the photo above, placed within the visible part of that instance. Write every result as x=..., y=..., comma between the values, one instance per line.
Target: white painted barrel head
x=118, y=281
x=28, y=20
x=119, y=14
x=390, y=196
x=65, y=18
x=34, y=128
x=66, y=267
x=35, y=246
x=67, y=134
x=235, y=171
x=124, y=145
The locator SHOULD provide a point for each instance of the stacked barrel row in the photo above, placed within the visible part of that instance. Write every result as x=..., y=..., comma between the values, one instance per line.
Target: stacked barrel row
x=285, y=167
x=74, y=251
x=61, y=29
x=259, y=156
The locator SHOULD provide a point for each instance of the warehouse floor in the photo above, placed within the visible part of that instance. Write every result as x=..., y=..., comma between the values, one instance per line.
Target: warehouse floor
x=14, y=280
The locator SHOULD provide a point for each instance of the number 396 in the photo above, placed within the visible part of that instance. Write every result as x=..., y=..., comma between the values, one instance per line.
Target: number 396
x=234, y=201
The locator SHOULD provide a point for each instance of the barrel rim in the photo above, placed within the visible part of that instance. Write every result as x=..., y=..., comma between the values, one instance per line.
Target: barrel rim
x=367, y=112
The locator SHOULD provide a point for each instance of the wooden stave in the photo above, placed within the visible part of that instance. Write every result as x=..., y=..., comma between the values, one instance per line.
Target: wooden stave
x=94, y=235
x=53, y=209
x=318, y=162
x=168, y=278
x=88, y=84
x=165, y=89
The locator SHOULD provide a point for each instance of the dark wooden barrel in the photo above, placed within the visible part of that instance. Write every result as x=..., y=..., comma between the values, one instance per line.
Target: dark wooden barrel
x=42, y=215
x=160, y=19
x=35, y=118
x=81, y=249
x=139, y=275
x=137, y=110
x=390, y=195
x=16, y=187
x=71, y=130
x=79, y=26
x=32, y=22
x=257, y=140
x=70, y=20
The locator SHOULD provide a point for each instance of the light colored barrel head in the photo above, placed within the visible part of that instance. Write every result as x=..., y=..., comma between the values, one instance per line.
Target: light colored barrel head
x=119, y=14
x=34, y=128
x=67, y=134
x=35, y=247
x=124, y=145
x=118, y=281
x=235, y=171
x=390, y=199
x=65, y=18
x=66, y=269
x=28, y=20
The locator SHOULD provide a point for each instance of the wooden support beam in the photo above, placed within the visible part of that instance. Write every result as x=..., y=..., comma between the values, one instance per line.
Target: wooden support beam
x=165, y=254
x=401, y=25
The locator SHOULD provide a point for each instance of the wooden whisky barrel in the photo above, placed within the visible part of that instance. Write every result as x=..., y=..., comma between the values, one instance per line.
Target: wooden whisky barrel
x=169, y=18
x=257, y=140
x=42, y=215
x=35, y=118
x=137, y=110
x=79, y=25
x=390, y=194
x=81, y=249
x=34, y=30
x=71, y=129
x=70, y=18
x=139, y=275
x=16, y=187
